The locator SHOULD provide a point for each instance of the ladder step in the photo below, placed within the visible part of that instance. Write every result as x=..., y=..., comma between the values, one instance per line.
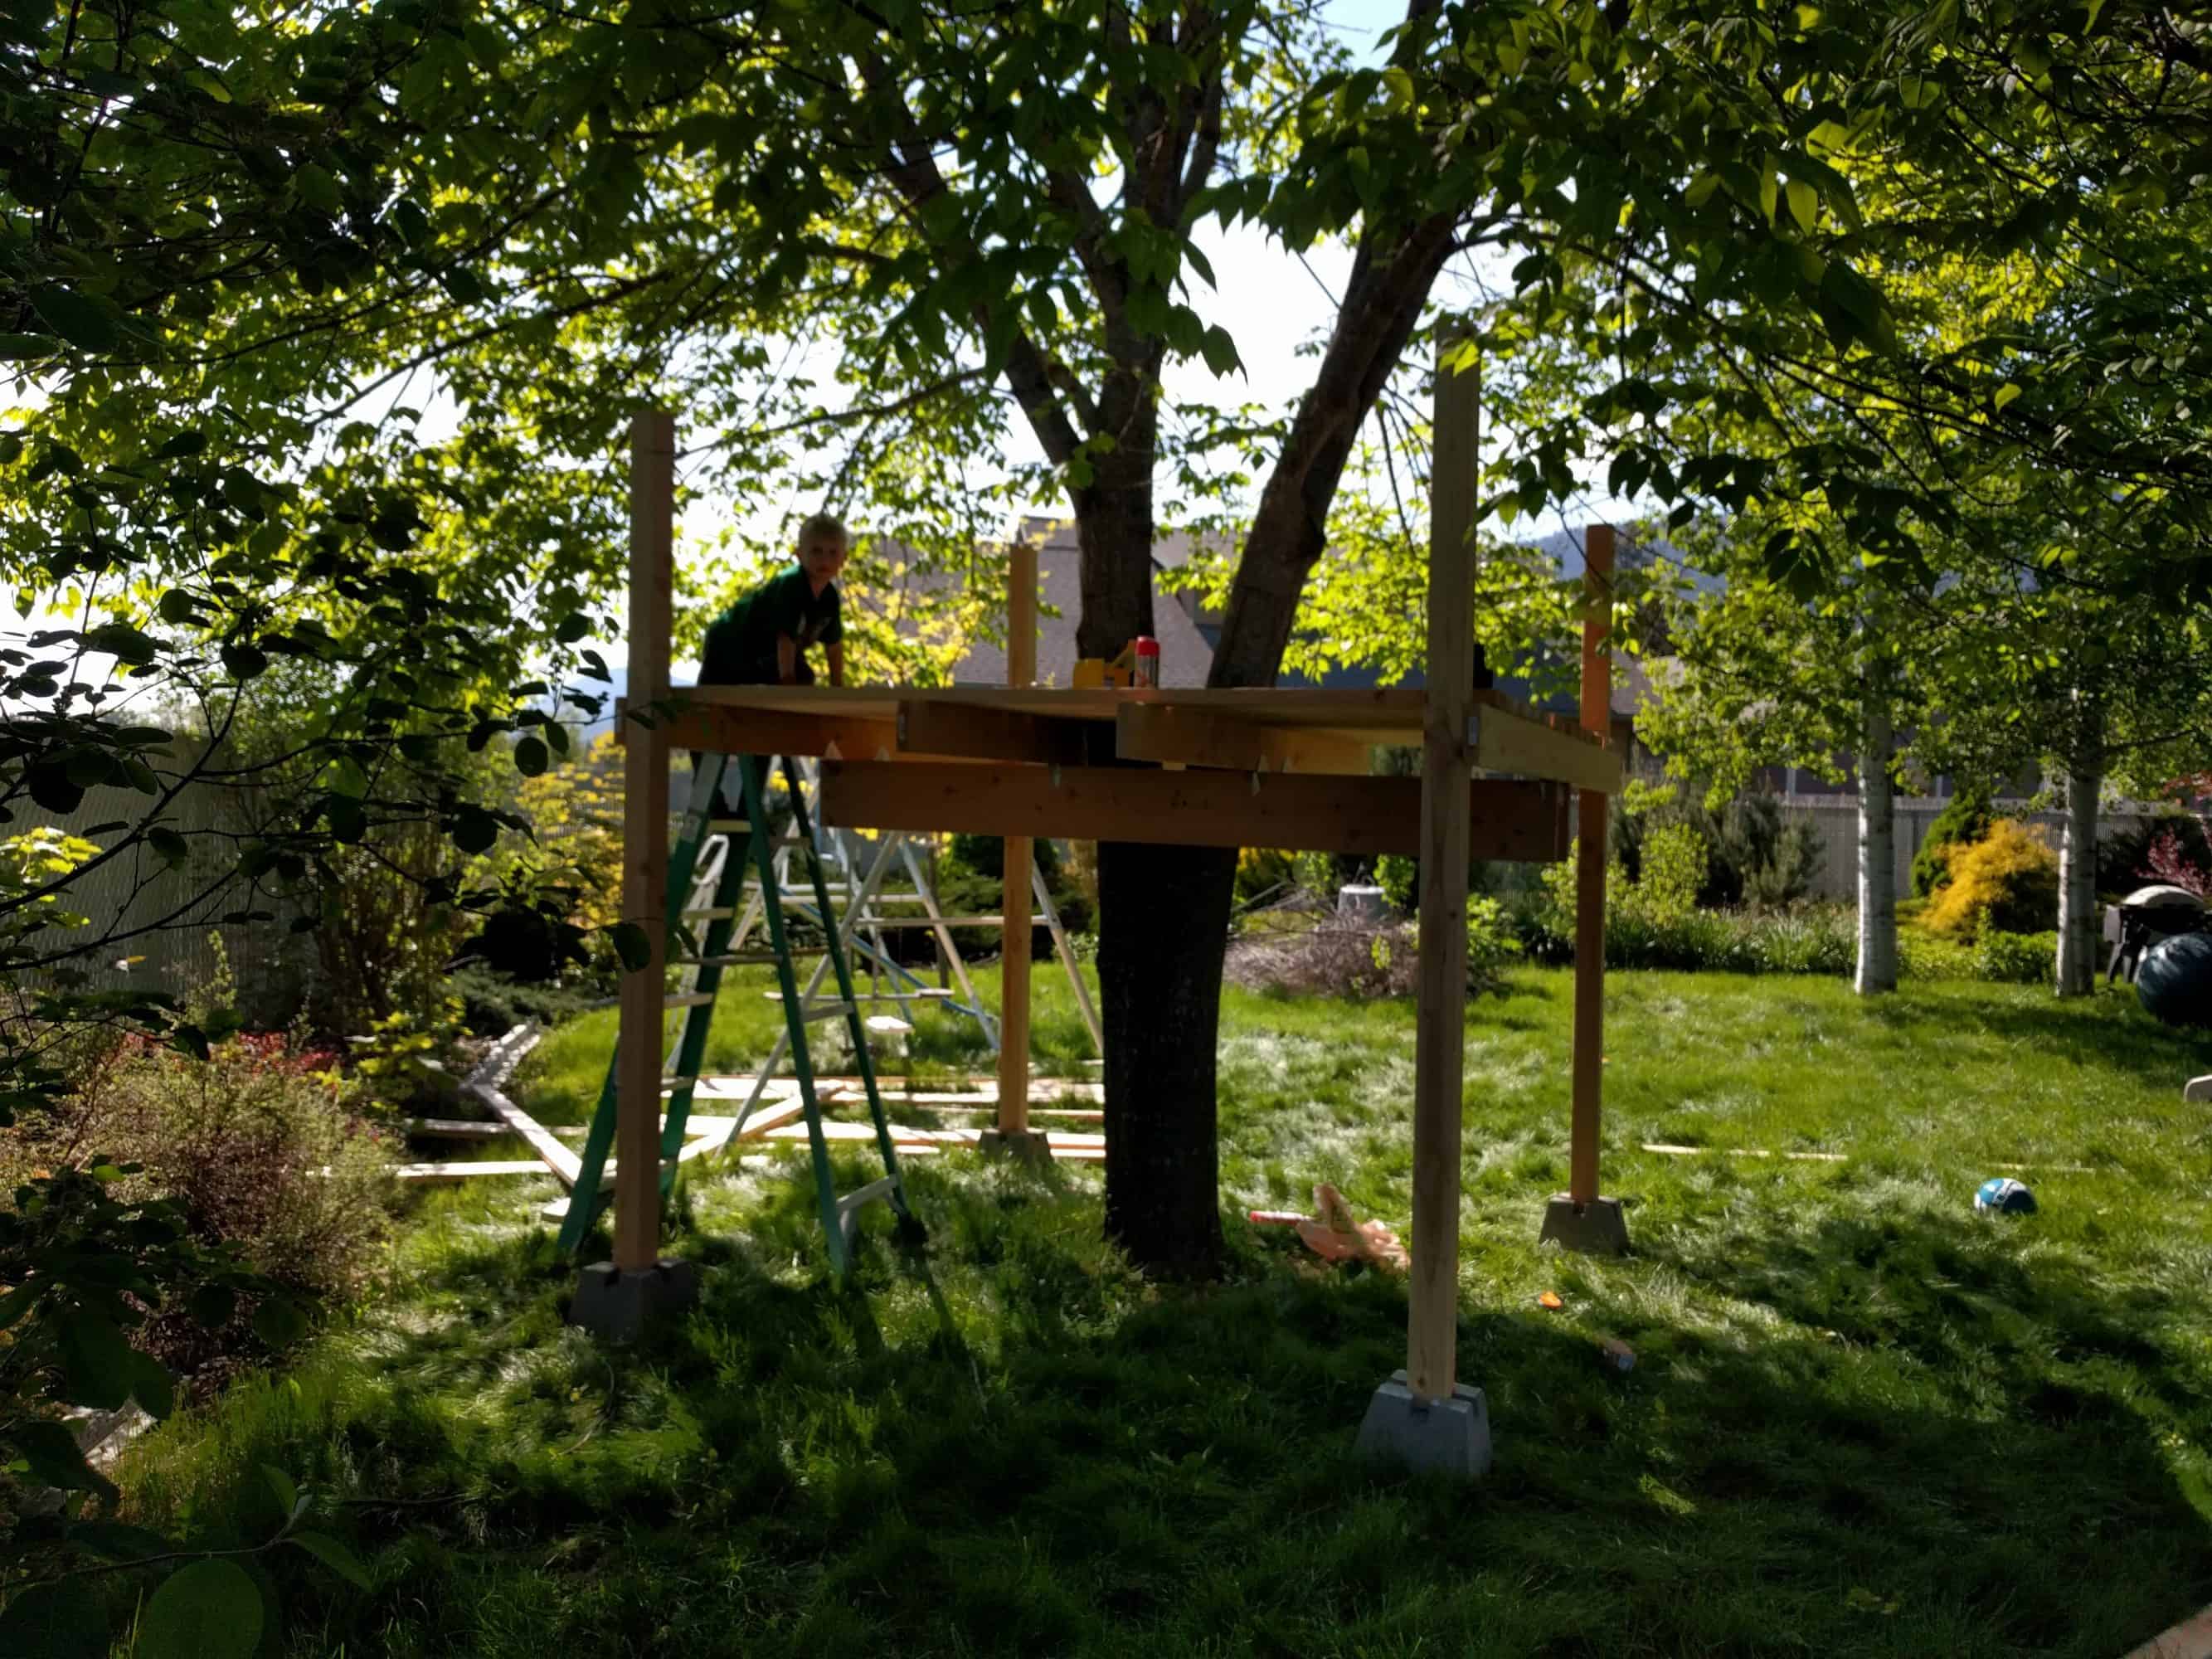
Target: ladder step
x=861, y=996
x=888, y=1025
x=728, y=827
x=711, y=913
x=880, y=1188
x=689, y=1000
x=728, y=959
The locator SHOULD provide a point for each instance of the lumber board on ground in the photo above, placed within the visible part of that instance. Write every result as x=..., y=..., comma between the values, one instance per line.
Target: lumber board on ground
x=556, y=1158
x=465, y=1170
x=1512, y=818
x=456, y=1128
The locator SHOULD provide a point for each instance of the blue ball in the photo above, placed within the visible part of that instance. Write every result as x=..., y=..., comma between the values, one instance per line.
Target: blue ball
x=2174, y=982
x=2003, y=1195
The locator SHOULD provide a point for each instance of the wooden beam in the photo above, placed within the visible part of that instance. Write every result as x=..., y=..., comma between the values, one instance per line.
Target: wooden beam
x=1512, y=818
x=645, y=844
x=1440, y=1036
x=1506, y=740
x=1590, y=874
x=1014, y=864
x=967, y=730
x=1163, y=731
x=767, y=732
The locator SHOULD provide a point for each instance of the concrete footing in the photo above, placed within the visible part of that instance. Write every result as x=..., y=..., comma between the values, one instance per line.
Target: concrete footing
x=1597, y=1228
x=1429, y=1436
x=2198, y=1089
x=1023, y=1145
x=618, y=1306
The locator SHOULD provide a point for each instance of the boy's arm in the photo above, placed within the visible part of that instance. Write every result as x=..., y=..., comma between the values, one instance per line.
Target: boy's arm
x=787, y=660
x=834, y=652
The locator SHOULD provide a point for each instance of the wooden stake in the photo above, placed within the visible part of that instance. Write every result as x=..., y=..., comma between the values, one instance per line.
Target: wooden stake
x=645, y=843
x=1014, y=943
x=1439, y=1052
x=1589, y=871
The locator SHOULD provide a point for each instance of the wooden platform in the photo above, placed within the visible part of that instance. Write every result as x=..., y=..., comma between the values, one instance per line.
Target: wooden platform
x=1233, y=768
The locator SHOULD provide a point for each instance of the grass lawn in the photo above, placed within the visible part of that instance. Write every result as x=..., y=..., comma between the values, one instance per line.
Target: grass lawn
x=1863, y=1420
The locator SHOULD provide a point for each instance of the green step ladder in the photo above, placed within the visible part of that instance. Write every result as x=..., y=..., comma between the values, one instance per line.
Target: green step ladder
x=708, y=955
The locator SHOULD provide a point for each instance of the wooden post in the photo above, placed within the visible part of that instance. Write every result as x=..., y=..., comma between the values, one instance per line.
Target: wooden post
x=1439, y=1052
x=1589, y=872
x=645, y=843
x=1014, y=939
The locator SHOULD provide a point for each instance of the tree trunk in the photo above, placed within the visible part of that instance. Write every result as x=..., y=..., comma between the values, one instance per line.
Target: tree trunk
x=1163, y=914
x=2077, y=857
x=1162, y=929
x=1877, y=960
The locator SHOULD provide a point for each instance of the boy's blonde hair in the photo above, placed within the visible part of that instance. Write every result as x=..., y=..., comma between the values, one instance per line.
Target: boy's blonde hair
x=825, y=524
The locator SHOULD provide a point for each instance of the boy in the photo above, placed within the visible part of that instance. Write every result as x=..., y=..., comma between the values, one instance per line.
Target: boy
x=763, y=639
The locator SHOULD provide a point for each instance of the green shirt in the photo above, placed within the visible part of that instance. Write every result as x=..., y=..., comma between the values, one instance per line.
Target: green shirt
x=741, y=643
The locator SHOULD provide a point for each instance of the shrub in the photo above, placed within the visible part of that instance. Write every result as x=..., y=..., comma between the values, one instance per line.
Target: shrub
x=2170, y=862
x=2015, y=959
x=1754, y=855
x=2010, y=876
x=1400, y=879
x=263, y=1150
x=1675, y=859
x=1335, y=959
x=1262, y=873
x=2124, y=861
x=1966, y=819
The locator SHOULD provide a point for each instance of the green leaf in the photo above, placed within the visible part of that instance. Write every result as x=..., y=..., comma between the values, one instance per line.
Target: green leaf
x=531, y=758
x=19, y=1302
x=334, y=1555
x=88, y=324
x=1769, y=189
x=191, y=1040
x=50, y=1454
x=209, y=1610
x=475, y=831
x=169, y=847
x=150, y=1385
x=55, y=1621
x=347, y=818
x=27, y=348
x=319, y=189
x=190, y=441
x=2005, y=394
x=51, y=788
x=246, y=662
x=631, y=945
x=211, y=1305
x=573, y=627
x=288, y=1493
x=1804, y=204
x=123, y=641
x=95, y=1359
x=1701, y=189
x=278, y=1322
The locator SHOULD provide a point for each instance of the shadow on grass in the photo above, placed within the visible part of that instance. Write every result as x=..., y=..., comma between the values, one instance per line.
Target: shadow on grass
x=2086, y=1032
x=1909, y=1441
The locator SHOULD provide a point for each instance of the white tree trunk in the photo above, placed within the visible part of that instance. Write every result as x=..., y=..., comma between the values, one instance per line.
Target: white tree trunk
x=1877, y=962
x=2077, y=859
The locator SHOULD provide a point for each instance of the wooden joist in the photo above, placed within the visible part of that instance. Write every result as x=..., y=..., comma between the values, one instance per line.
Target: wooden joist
x=1177, y=735
x=938, y=726
x=1512, y=819
x=769, y=732
x=1501, y=739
